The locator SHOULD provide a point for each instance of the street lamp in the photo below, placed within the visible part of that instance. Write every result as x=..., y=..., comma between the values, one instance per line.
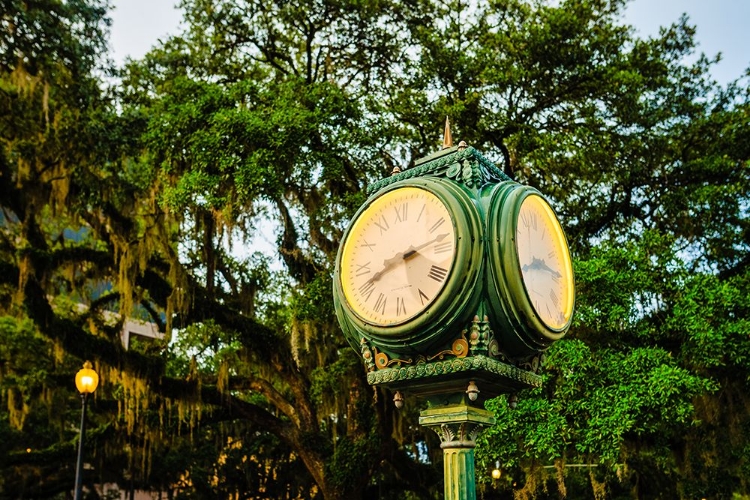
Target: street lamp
x=496, y=471
x=86, y=382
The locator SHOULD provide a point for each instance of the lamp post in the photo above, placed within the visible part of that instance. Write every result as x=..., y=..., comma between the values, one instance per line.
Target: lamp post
x=86, y=381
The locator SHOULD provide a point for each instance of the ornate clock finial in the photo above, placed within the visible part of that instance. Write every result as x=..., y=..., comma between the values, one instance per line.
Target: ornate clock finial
x=447, y=137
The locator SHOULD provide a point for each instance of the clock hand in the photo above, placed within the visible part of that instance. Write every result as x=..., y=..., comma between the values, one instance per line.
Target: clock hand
x=535, y=264
x=413, y=250
x=545, y=267
x=389, y=264
x=540, y=265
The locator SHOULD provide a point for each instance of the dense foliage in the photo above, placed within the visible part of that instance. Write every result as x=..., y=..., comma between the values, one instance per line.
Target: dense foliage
x=205, y=189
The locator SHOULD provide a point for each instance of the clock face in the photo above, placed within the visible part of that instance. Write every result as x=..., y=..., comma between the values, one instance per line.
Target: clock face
x=398, y=256
x=545, y=263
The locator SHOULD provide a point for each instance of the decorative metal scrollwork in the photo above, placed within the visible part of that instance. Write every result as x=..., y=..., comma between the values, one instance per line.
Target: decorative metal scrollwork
x=382, y=361
x=533, y=364
x=459, y=349
x=367, y=355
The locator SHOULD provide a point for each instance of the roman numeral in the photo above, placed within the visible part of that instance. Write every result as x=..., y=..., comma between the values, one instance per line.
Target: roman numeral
x=421, y=212
x=525, y=220
x=437, y=224
x=380, y=304
x=368, y=245
x=366, y=289
x=362, y=269
x=401, y=212
x=553, y=296
x=400, y=306
x=422, y=296
x=383, y=224
x=437, y=273
x=444, y=247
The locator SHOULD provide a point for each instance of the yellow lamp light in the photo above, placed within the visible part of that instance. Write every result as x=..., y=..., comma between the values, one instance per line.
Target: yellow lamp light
x=87, y=379
x=496, y=471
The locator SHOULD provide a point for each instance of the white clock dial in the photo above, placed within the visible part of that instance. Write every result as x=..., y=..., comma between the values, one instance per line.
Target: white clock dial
x=545, y=263
x=397, y=256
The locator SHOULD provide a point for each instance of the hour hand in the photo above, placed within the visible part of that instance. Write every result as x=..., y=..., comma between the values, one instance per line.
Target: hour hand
x=540, y=265
x=388, y=264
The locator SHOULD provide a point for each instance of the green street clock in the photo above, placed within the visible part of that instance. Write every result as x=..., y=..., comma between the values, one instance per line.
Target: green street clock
x=451, y=271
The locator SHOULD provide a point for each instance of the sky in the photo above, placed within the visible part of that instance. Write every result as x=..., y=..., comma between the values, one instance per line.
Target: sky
x=721, y=27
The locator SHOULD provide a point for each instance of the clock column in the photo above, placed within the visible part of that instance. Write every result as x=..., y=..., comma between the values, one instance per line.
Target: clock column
x=458, y=427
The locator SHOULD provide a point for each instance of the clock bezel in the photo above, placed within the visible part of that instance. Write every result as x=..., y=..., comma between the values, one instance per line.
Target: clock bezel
x=350, y=250
x=459, y=295
x=510, y=303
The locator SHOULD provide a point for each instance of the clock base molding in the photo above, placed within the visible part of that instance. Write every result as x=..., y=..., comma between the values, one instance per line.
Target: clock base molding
x=475, y=350
x=447, y=380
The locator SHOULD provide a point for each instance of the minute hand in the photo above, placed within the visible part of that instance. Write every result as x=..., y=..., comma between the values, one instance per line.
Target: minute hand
x=412, y=250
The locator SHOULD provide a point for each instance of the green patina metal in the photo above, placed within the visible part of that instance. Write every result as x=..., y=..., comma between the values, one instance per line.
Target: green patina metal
x=508, y=376
x=462, y=164
x=458, y=427
x=458, y=301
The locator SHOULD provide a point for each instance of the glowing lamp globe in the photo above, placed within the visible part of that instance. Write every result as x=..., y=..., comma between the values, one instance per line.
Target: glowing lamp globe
x=87, y=379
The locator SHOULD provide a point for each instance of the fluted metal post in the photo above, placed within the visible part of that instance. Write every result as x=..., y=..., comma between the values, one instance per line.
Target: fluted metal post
x=79, y=463
x=458, y=427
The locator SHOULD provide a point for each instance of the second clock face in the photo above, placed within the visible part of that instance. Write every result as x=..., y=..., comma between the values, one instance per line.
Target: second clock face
x=545, y=262
x=398, y=256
